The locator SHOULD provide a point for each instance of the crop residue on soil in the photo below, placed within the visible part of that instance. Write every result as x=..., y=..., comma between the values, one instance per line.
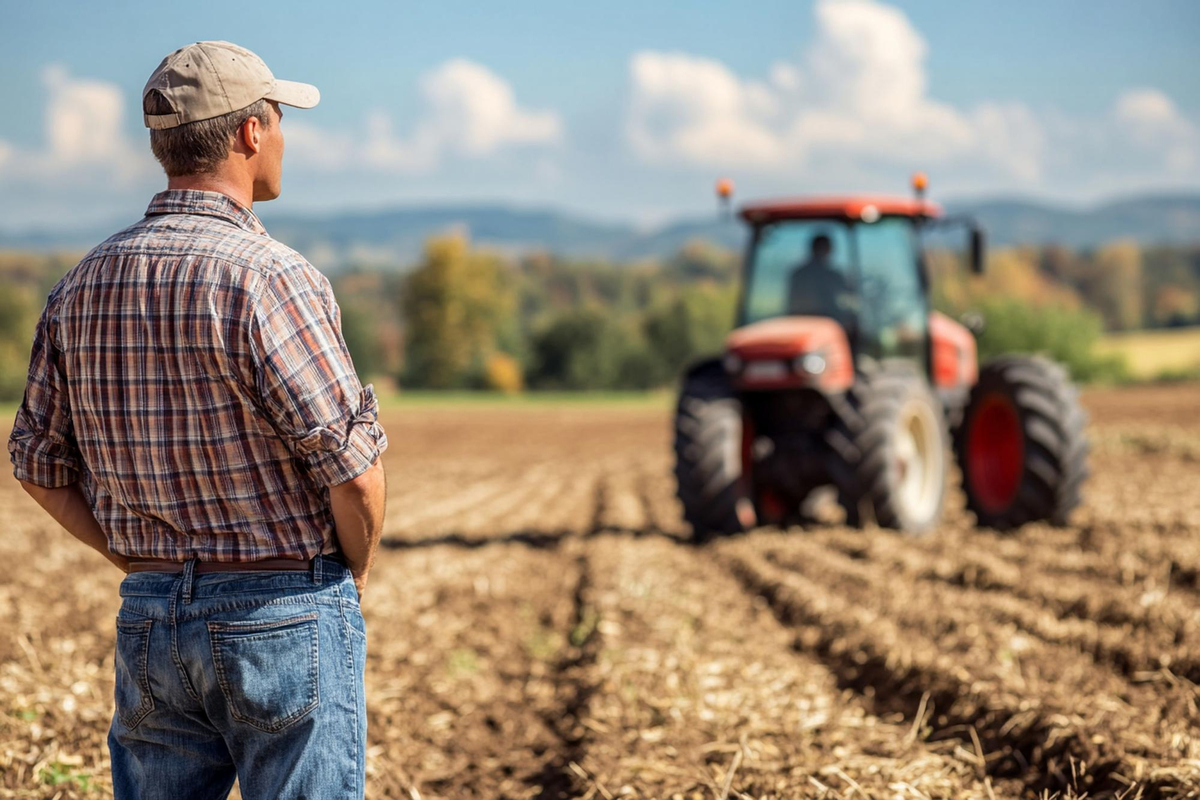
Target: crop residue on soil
x=540, y=628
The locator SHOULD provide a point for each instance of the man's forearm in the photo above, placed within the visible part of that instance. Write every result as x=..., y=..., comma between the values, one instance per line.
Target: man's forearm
x=70, y=509
x=358, y=508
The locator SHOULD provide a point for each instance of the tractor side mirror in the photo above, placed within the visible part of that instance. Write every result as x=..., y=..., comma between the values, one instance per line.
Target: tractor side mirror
x=978, y=250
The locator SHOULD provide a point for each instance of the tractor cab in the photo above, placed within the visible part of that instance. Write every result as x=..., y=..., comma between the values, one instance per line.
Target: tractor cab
x=858, y=263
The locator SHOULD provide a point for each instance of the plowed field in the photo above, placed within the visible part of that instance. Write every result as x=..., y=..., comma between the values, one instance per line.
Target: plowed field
x=540, y=627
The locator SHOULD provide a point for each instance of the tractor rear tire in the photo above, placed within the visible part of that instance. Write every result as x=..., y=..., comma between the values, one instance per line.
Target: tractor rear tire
x=890, y=451
x=1022, y=446
x=708, y=453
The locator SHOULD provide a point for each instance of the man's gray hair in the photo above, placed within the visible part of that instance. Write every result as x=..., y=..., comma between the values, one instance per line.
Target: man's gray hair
x=197, y=148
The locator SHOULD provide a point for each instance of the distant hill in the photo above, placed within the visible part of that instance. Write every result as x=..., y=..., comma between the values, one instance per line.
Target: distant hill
x=1150, y=219
x=404, y=231
x=1156, y=219
x=394, y=237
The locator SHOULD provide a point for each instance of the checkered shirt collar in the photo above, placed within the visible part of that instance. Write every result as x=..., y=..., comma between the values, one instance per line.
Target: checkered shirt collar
x=211, y=204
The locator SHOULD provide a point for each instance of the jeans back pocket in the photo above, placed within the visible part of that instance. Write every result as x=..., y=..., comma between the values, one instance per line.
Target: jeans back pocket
x=133, y=698
x=268, y=670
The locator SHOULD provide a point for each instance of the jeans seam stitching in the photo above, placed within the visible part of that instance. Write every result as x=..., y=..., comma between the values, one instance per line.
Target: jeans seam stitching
x=283, y=722
x=267, y=626
x=146, y=705
x=217, y=608
x=184, y=679
x=346, y=626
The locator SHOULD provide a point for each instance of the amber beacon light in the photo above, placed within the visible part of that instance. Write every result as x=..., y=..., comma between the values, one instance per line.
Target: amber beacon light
x=724, y=195
x=920, y=182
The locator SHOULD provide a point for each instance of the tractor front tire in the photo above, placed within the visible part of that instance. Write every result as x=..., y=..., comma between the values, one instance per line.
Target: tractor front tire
x=708, y=453
x=889, y=447
x=1022, y=446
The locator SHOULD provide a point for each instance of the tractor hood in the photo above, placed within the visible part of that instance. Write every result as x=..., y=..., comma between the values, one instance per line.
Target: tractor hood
x=790, y=352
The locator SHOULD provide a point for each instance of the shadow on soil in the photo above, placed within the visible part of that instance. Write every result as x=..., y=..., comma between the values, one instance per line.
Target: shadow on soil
x=538, y=540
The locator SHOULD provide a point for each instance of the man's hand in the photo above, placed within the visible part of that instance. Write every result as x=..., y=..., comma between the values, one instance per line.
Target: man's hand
x=70, y=509
x=358, y=507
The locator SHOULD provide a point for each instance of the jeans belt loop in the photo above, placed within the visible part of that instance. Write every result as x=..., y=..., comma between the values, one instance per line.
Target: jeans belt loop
x=317, y=577
x=189, y=575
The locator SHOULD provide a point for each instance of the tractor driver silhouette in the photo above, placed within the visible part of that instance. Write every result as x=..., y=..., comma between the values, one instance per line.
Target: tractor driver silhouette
x=817, y=288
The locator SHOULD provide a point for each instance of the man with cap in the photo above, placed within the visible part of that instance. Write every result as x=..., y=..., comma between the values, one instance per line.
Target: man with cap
x=192, y=413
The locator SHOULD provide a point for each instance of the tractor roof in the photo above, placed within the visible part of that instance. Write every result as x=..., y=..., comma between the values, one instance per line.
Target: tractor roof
x=848, y=208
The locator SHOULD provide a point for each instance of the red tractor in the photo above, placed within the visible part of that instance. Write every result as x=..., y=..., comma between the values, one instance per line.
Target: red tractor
x=840, y=374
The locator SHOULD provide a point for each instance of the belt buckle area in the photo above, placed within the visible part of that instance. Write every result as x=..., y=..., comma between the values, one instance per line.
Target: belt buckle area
x=265, y=565
x=167, y=567
x=209, y=567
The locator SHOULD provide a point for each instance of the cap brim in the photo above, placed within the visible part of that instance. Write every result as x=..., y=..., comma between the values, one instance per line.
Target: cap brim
x=291, y=93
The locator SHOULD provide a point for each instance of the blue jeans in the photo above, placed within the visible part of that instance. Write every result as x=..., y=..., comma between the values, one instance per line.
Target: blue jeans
x=257, y=675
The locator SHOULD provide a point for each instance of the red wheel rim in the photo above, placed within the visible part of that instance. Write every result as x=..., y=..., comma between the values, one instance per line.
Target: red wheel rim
x=995, y=453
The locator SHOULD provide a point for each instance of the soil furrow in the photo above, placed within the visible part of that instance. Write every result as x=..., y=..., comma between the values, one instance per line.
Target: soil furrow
x=1157, y=618
x=1031, y=723
x=561, y=776
x=461, y=672
x=1131, y=651
x=621, y=508
x=701, y=690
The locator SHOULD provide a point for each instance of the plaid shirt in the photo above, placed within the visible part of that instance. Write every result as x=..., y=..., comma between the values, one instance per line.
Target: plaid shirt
x=190, y=373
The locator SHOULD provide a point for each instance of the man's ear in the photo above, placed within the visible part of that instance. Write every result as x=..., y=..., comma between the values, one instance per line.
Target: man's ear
x=251, y=132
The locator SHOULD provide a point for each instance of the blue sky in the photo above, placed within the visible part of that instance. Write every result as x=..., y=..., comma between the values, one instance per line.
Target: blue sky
x=625, y=110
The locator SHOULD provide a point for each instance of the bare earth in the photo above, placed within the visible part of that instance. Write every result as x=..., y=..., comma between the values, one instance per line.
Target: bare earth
x=540, y=628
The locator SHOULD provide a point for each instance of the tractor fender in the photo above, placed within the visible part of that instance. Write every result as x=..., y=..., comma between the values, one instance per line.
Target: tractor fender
x=955, y=363
x=710, y=363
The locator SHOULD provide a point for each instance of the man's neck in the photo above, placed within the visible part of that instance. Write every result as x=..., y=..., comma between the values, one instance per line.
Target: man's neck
x=242, y=195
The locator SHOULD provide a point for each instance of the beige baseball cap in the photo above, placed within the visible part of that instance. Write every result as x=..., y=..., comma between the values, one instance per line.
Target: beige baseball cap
x=208, y=79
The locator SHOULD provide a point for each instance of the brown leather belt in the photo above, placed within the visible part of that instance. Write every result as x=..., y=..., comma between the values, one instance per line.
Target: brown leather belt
x=269, y=564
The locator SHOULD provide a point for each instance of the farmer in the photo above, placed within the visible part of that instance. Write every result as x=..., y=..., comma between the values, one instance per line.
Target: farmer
x=817, y=288
x=192, y=414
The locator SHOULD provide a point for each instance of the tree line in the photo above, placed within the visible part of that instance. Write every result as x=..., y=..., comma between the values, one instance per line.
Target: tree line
x=466, y=317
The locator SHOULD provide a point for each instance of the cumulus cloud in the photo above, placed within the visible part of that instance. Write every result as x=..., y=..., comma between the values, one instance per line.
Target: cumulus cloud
x=1151, y=122
x=697, y=109
x=467, y=110
x=84, y=135
x=860, y=89
x=476, y=112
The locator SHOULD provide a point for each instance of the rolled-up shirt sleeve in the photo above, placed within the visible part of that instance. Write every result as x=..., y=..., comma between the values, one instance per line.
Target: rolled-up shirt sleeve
x=42, y=445
x=306, y=379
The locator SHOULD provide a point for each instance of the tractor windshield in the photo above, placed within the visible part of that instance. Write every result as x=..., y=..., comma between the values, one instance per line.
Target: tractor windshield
x=801, y=267
x=863, y=275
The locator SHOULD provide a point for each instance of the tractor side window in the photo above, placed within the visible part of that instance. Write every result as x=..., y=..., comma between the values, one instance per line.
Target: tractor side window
x=893, y=316
x=801, y=267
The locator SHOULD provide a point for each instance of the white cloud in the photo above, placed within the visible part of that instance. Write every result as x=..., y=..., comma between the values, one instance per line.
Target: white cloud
x=467, y=110
x=475, y=111
x=1146, y=107
x=697, y=109
x=1151, y=123
x=84, y=136
x=856, y=107
x=861, y=89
